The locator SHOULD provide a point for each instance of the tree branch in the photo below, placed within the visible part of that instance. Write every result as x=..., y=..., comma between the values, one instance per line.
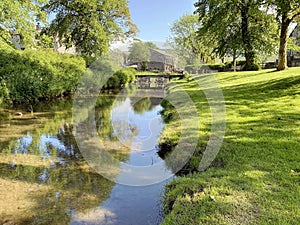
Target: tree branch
x=294, y=17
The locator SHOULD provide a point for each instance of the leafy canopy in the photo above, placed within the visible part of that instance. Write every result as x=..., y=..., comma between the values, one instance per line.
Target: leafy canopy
x=239, y=25
x=18, y=17
x=185, y=41
x=90, y=25
x=139, y=52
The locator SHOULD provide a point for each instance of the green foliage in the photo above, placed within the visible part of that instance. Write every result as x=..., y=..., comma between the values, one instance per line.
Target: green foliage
x=286, y=13
x=118, y=57
x=142, y=105
x=32, y=74
x=121, y=78
x=187, y=45
x=144, y=66
x=18, y=17
x=216, y=67
x=253, y=67
x=44, y=41
x=139, y=52
x=238, y=27
x=229, y=64
x=4, y=92
x=293, y=44
x=90, y=25
x=6, y=45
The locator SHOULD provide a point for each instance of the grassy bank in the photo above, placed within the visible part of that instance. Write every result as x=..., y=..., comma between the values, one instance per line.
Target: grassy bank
x=255, y=178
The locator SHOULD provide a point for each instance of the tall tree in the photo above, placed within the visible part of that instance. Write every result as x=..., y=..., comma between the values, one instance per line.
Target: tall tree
x=118, y=57
x=238, y=20
x=19, y=17
x=139, y=52
x=287, y=12
x=90, y=25
x=184, y=40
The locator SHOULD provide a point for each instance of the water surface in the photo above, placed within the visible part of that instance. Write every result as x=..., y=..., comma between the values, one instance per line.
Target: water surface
x=44, y=178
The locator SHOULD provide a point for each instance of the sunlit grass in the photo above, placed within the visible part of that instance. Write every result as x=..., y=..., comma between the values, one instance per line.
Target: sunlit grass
x=255, y=179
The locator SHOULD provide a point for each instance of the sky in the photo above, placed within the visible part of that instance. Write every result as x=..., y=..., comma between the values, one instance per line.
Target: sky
x=154, y=17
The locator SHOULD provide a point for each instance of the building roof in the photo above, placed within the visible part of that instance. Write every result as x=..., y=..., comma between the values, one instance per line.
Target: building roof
x=161, y=56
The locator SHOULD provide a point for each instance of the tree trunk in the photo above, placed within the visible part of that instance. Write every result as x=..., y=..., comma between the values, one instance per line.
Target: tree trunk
x=282, y=57
x=234, y=60
x=248, y=47
x=223, y=59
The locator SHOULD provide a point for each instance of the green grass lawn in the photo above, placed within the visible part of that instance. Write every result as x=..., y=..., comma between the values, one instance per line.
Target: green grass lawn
x=255, y=178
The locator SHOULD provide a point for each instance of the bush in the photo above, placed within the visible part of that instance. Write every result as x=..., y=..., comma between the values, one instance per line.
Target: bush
x=37, y=74
x=253, y=67
x=240, y=62
x=121, y=78
x=215, y=67
x=218, y=67
x=195, y=68
x=229, y=64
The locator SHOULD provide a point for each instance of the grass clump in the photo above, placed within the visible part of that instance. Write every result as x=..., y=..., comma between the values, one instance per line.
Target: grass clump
x=256, y=175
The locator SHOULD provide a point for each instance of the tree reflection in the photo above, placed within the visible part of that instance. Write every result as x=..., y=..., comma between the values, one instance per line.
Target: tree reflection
x=142, y=106
x=45, y=171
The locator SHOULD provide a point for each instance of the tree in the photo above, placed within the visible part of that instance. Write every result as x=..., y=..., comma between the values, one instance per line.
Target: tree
x=90, y=25
x=185, y=42
x=238, y=20
x=151, y=45
x=18, y=18
x=139, y=52
x=118, y=57
x=44, y=40
x=226, y=35
x=287, y=12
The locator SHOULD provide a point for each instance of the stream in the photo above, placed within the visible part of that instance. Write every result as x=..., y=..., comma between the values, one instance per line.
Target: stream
x=45, y=179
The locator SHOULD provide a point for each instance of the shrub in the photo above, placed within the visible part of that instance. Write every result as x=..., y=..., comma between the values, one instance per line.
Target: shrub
x=229, y=64
x=121, y=77
x=36, y=74
x=113, y=82
x=253, y=67
x=240, y=62
x=218, y=67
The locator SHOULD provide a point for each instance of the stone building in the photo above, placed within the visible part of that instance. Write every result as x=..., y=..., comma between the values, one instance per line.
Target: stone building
x=61, y=48
x=159, y=61
x=294, y=56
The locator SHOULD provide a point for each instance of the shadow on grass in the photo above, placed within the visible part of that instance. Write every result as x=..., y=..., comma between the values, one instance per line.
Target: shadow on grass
x=258, y=180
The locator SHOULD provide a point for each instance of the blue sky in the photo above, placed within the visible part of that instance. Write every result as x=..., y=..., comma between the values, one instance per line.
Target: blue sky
x=154, y=17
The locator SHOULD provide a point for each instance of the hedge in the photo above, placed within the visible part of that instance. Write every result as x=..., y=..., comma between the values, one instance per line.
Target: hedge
x=36, y=74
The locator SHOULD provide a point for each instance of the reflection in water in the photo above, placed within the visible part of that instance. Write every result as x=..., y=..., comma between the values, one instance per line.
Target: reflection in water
x=139, y=131
x=45, y=180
